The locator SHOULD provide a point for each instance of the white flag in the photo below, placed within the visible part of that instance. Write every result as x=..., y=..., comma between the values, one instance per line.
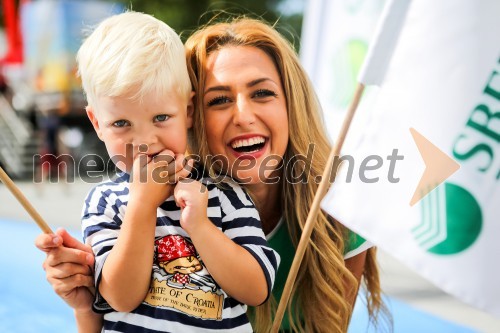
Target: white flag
x=444, y=82
x=334, y=41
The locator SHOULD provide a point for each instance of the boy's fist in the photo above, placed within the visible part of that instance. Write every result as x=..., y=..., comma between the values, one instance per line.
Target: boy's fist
x=192, y=197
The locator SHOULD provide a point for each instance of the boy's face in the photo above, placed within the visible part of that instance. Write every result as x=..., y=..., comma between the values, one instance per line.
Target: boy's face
x=158, y=122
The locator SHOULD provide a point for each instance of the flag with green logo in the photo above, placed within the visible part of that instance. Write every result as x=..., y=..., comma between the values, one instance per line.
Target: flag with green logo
x=441, y=89
x=334, y=40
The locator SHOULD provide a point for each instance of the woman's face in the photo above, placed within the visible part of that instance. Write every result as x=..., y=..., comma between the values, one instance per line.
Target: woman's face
x=245, y=112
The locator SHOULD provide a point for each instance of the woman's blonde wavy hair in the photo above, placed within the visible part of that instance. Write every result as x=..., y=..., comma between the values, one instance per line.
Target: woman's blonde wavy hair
x=319, y=294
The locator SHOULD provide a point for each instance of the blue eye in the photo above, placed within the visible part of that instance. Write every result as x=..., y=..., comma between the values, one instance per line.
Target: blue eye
x=218, y=100
x=120, y=123
x=160, y=118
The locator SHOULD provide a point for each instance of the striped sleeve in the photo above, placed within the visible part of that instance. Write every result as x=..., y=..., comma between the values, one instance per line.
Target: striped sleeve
x=101, y=222
x=241, y=223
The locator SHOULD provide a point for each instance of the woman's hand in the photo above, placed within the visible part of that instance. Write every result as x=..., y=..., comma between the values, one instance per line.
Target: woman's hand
x=356, y=265
x=68, y=268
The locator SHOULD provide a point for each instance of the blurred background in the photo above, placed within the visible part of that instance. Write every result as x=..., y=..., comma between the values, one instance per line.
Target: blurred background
x=42, y=102
x=42, y=112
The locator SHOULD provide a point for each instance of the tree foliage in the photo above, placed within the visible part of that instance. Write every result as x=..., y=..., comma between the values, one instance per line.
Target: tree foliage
x=185, y=16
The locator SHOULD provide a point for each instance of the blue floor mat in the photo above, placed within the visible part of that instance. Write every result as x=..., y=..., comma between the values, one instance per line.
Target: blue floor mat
x=29, y=305
x=406, y=319
x=27, y=301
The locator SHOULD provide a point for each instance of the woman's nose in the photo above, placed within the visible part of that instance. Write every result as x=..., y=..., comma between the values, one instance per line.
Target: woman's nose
x=243, y=114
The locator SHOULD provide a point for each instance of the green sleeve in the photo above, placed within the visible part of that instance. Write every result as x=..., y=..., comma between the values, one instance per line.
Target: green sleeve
x=355, y=244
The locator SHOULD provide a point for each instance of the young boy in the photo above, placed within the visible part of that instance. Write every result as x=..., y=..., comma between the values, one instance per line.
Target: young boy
x=161, y=268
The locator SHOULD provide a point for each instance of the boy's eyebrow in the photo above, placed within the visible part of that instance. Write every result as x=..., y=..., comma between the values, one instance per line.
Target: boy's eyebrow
x=249, y=85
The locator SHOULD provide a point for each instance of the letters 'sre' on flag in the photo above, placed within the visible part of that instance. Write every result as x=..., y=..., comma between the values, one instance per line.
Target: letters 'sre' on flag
x=444, y=82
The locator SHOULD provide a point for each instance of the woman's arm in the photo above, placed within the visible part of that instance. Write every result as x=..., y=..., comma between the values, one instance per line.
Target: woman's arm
x=67, y=268
x=88, y=321
x=356, y=265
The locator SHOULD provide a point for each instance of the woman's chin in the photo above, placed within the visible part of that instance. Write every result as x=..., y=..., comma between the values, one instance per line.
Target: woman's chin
x=253, y=178
x=247, y=178
x=257, y=174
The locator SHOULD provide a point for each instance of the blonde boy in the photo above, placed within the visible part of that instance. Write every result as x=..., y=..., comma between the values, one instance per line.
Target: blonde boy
x=153, y=258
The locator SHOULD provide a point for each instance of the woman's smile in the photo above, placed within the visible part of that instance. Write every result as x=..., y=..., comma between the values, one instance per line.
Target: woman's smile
x=249, y=146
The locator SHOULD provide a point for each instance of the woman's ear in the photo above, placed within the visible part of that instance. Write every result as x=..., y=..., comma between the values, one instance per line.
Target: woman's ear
x=190, y=111
x=93, y=119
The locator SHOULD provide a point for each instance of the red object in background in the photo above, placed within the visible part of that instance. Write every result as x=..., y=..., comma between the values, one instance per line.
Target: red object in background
x=14, y=53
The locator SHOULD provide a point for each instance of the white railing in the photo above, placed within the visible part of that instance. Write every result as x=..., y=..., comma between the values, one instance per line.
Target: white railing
x=18, y=128
x=14, y=135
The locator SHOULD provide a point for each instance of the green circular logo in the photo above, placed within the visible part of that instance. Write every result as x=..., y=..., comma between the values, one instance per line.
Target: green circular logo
x=347, y=62
x=451, y=220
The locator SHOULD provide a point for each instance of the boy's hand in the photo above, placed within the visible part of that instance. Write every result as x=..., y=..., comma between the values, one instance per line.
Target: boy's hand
x=192, y=197
x=153, y=178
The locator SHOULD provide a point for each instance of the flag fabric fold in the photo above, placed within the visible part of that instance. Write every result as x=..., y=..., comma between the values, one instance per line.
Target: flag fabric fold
x=386, y=36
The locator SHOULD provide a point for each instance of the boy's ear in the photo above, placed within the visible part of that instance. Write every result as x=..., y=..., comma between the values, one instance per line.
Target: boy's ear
x=190, y=110
x=93, y=119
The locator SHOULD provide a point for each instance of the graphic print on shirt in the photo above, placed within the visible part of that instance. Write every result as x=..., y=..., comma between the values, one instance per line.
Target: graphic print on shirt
x=180, y=281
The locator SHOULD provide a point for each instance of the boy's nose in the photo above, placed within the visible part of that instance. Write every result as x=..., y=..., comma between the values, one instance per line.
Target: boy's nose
x=144, y=141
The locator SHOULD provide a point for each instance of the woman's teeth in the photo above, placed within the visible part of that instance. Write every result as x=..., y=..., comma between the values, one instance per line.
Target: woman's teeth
x=247, y=142
x=248, y=145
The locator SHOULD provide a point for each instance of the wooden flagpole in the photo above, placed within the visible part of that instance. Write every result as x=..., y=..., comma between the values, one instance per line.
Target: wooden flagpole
x=24, y=202
x=313, y=213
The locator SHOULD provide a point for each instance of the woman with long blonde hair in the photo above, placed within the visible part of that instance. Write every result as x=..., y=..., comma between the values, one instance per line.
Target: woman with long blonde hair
x=256, y=114
x=326, y=286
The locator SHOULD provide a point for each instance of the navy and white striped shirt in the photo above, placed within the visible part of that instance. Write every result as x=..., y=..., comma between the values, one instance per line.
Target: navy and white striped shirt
x=182, y=297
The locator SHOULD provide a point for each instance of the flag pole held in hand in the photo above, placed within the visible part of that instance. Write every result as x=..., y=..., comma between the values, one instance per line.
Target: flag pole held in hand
x=372, y=73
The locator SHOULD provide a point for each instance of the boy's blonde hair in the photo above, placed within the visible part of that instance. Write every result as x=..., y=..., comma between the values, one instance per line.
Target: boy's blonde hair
x=131, y=55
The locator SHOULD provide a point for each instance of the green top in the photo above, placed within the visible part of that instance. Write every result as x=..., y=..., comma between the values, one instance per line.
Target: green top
x=280, y=241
